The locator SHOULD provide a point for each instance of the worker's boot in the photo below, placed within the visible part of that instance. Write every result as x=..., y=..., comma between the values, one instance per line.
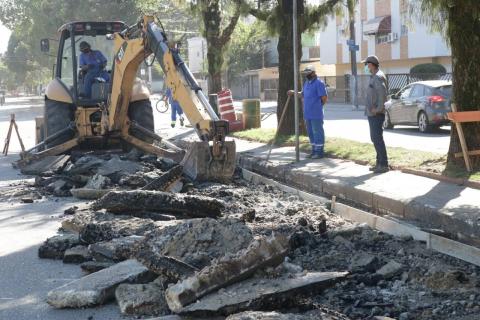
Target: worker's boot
x=172, y=124
x=181, y=121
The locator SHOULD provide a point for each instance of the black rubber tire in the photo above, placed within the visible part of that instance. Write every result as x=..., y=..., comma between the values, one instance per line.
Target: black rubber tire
x=42, y=136
x=57, y=116
x=141, y=112
x=423, y=123
x=387, y=124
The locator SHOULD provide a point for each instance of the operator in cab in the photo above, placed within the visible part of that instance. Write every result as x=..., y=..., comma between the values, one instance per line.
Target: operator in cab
x=92, y=64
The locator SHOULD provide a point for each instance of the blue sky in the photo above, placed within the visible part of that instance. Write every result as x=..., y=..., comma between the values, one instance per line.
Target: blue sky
x=4, y=36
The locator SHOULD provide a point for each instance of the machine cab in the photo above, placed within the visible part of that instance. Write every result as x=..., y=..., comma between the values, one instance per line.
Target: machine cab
x=68, y=67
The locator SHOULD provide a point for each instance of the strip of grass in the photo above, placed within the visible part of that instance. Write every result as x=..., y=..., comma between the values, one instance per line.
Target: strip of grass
x=365, y=153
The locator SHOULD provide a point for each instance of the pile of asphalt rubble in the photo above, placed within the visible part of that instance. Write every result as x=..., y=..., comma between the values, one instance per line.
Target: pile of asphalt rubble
x=159, y=244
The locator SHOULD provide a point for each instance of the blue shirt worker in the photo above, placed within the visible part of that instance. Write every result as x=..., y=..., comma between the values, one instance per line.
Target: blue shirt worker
x=375, y=111
x=314, y=96
x=176, y=109
x=92, y=63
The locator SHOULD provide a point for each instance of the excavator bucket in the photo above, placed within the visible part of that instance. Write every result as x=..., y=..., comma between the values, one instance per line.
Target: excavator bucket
x=200, y=164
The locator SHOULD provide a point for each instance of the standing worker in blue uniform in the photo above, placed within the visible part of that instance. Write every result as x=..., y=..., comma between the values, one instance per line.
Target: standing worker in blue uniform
x=314, y=96
x=176, y=109
x=92, y=63
x=375, y=111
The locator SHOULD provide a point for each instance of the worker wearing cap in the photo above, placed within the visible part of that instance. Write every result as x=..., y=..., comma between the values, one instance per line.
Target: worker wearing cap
x=92, y=63
x=375, y=111
x=314, y=98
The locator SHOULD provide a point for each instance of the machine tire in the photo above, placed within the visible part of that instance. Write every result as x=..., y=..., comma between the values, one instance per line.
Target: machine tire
x=58, y=116
x=141, y=112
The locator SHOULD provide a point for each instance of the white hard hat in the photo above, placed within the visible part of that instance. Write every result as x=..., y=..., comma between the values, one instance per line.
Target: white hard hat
x=309, y=69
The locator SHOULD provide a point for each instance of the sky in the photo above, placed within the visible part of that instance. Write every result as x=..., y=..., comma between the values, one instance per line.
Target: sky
x=4, y=36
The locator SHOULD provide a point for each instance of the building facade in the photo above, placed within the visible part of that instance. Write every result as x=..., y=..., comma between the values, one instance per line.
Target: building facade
x=386, y=29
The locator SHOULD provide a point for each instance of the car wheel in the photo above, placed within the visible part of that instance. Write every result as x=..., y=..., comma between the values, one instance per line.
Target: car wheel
x=423, y=124
x=387, y=123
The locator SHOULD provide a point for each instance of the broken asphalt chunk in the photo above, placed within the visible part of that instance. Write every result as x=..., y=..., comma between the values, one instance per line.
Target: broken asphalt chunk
x=195, y=241
x=94, y=266
x=163, y=182
x=94, y=189
x=274, y=315
x=157, y=201
x=141, y=299
x=55, y=247
x=99, y=287
x=256, y=294
x=117, y=249
x=77, y=254
x=230, y=269
x=47, y=165
x=391, y=269
x=100, y=226
x=119, y=226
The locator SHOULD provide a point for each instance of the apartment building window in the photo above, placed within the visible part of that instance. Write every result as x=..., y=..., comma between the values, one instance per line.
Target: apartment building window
x=381, y=38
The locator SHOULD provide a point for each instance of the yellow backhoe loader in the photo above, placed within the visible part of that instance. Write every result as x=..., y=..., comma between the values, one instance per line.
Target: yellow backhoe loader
x=119, y=111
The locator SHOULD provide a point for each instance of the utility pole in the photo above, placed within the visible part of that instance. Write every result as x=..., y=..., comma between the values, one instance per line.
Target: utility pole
x=353, y=51
x=295, y=81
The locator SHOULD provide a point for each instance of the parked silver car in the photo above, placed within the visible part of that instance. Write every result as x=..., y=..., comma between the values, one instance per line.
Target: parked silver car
x=424, y=104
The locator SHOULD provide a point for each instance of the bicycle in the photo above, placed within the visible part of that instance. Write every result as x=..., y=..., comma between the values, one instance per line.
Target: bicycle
x=162, y=104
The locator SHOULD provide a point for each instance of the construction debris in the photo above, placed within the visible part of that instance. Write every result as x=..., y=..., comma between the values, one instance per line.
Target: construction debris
x=228, y=270
x=94, y=266
x=46, y=166
x=117, y=249
x=55, y=247
x=142, y=299
x=77, y=254
x=99, y=226
x=311, y=315
x=261, y=294
x=94, y=188
x=390, y=270
x=157, y=201
x=164, y=182
x=212, y=266
x=99, y=287
x=196, y=242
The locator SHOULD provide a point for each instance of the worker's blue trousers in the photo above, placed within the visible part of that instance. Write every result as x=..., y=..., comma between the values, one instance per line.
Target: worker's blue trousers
x=316, y=134
x=176, y=109
x=89, y=77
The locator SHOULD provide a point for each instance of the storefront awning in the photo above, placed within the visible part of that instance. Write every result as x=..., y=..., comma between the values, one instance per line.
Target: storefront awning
x=378, y=25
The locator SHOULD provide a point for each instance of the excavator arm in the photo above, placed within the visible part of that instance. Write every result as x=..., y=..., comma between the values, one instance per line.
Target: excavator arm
x=210, y=158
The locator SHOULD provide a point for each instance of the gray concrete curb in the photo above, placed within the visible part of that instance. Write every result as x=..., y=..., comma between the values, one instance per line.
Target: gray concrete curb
x=463, y=227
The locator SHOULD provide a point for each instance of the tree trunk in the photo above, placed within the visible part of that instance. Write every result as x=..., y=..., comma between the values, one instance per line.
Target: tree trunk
x=211, y=23
x=464, y=31
x=285, y=75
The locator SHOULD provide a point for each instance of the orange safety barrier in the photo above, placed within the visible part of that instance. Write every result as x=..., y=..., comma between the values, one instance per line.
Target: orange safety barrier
x=227, y=110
